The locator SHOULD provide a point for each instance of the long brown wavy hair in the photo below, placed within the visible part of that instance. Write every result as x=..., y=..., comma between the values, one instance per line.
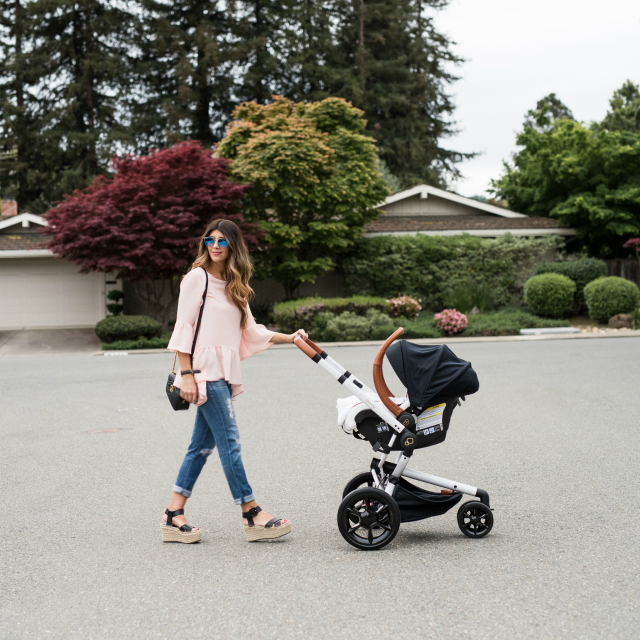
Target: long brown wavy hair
x=238, y=268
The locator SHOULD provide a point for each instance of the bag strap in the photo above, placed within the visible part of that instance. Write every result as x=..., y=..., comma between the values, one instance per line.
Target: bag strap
x=204, y=297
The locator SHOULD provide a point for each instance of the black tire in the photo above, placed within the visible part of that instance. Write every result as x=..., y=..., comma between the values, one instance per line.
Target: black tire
x=364, y=479
x=475, y=519
x=368, y=518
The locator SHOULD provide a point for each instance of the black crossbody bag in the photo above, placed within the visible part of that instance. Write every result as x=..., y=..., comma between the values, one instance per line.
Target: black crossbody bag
x=173, y=393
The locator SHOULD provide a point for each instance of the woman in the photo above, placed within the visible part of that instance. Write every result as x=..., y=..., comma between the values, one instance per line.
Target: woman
x=228, y=333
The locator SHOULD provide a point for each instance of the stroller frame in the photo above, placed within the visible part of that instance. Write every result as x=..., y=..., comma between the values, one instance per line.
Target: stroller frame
x=398, y=420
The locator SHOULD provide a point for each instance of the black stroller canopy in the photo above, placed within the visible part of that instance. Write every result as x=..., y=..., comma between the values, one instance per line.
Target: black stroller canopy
x=431, y=372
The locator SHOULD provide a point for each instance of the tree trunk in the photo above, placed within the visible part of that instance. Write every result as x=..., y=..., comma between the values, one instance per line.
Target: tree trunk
x=160, y=298
x=20, y=119
x=202, y=91
x=88, y=70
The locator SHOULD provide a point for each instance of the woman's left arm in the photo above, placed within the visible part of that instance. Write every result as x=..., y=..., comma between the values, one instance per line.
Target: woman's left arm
x=281, y=338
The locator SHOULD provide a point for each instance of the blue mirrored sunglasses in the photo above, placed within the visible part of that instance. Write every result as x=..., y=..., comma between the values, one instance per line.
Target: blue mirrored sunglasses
x=210, y=242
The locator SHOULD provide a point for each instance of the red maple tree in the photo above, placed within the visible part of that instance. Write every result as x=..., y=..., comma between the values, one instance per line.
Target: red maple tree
x=144, y=222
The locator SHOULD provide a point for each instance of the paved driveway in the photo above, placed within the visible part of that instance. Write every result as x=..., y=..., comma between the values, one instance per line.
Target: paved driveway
x=89, y=450
x=48, y=342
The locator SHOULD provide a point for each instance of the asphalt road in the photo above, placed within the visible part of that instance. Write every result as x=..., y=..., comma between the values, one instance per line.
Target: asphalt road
x=552, y=435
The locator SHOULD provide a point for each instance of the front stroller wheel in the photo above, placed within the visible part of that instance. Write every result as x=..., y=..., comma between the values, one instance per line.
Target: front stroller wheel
x=475, y=519
x=368, y=519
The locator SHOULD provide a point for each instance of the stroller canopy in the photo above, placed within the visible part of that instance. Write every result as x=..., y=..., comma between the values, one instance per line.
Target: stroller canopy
x=431, y=372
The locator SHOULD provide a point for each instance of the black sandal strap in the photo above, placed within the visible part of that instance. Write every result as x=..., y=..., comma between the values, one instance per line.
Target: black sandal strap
x=251, y=514
x=274, y=522
x=171, y=514
x=186, y=528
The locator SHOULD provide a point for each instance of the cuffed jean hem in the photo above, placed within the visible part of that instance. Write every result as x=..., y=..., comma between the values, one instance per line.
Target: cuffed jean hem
x=238, y=501
x=183, y=492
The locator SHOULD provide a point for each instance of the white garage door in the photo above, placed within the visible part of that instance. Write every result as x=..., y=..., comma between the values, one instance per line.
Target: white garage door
x=47, y=293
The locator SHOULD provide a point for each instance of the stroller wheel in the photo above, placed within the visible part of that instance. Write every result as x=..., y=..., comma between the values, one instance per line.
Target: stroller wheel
x=364, y=479
x=475, y=519
x=368, y=518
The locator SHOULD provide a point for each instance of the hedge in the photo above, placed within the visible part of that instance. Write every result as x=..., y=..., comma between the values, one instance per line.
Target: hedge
x=607, y=297
x=550, y=295
x=507, y=322
x=297, y=314
x=376, y=326
x=582, y=272
x=142, y=343
x=434, y=267
x=116, y=328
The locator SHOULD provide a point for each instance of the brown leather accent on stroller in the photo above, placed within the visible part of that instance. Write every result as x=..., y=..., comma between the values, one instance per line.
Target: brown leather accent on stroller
x=378, y=377
x=305, y=348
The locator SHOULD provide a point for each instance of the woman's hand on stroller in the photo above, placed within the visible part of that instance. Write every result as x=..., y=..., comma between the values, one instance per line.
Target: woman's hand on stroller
x=300, y=332
x=282, y=338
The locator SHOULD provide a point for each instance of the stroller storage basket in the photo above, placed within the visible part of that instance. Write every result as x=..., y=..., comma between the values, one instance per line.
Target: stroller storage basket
x=418, y=504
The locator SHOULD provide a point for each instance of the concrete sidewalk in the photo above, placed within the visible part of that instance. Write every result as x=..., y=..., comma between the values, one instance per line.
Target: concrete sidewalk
x=48, y=342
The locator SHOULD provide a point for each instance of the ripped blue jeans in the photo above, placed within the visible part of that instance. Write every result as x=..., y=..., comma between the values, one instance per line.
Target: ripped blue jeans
x=215, y=426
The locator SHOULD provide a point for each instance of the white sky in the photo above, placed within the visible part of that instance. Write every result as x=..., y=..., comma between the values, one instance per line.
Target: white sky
x=518, y=52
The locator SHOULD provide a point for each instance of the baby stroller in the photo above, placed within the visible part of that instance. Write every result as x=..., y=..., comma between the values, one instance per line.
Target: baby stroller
x=376, y=501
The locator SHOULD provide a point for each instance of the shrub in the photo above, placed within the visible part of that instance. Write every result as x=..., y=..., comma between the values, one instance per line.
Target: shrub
x=635, y=318
x=297, y=314
x=142, y=343
x=115, y=308
x=549, y=295
x=582, y=272
x=349, y=326
x=507, y=322
x=431, y=267
x=450, y=321
x=116, y=328
x=470, y=294
x=607, y=297
x=404, y=306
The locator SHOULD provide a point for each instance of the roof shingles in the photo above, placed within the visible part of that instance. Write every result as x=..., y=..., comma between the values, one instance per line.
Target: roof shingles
x=391, y=224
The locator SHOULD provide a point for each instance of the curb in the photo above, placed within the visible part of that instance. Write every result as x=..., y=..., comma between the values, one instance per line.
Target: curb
x=377, y=343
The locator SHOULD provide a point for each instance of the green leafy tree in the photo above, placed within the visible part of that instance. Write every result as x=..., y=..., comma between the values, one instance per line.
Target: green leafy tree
x=315, y=182
x=554, y=108
x=625, y=109
x=587, y=179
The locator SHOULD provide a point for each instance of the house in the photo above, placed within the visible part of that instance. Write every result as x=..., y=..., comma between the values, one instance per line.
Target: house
x=38, y=290
x=435, y=212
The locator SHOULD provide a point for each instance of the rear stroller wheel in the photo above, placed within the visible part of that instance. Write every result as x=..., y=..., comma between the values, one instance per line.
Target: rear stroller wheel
x=368, y=518
x=475, y=519
x=364, y=479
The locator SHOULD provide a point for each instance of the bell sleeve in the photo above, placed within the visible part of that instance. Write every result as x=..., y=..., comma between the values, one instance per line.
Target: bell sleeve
x=255, y=337
x=191, y=290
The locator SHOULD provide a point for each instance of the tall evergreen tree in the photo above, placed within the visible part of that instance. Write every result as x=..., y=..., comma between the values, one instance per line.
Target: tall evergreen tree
x=261, y=28
x=186, y=71
x=85, y=48
x=23, y=113
x=390, y=60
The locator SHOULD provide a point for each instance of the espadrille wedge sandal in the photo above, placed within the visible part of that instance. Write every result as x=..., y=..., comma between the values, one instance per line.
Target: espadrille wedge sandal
x=275, y=528
x=175, y=533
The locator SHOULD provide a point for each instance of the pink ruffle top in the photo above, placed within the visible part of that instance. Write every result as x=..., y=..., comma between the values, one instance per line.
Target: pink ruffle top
x=221, y=343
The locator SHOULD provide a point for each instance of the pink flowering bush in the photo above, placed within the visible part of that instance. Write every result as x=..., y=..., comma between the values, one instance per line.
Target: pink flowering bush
x=633, y=243
x=404, y=306
x=450, y=321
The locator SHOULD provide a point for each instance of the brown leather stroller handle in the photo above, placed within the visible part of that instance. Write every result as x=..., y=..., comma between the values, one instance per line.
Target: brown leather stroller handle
x=304, y=347
x=313, y=345
x=378, y=377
